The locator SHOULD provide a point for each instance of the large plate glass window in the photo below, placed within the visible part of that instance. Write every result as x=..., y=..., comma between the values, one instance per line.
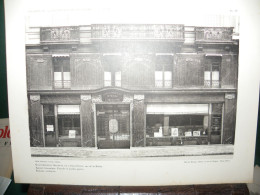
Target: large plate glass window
x=69, y=125
x=177, y=124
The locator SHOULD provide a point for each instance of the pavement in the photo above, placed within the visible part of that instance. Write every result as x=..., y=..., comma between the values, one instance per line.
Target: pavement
x=134, y=152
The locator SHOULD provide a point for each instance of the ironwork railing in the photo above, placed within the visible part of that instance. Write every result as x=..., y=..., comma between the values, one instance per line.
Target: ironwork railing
x=137, y=31
x=108, y=83
x=211, y=83
x=62, y=84
x=163, y=83
x=59, y=34
x=214, y=33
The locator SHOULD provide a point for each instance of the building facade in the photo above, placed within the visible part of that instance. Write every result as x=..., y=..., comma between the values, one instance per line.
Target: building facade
x=132, y=85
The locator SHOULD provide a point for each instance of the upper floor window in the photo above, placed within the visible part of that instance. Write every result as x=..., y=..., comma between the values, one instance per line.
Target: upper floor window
x=61, y=72
x=212, y=72
x=112, y=70
x=112, y=79
x=163, y=71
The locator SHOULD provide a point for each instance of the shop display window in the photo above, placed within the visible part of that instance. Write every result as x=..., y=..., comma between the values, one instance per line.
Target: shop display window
x=176, y=125
x=69, y=125
x=68, y=121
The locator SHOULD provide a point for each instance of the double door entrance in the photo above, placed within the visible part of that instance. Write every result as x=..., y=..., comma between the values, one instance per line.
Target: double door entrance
x=113, y=126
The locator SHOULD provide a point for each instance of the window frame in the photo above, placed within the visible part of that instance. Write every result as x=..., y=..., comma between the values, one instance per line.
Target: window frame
x=64, y=84
x=163, y=68
x=211, y=63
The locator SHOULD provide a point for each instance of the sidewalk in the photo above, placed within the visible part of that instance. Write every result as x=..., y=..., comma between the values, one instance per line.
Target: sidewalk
x=140, y=152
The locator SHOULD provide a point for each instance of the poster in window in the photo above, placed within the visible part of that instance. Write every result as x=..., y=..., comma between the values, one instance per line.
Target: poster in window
x=50, y=128
x=196, y=133
x=174, y=132
x=72, y=133
x=188, y=133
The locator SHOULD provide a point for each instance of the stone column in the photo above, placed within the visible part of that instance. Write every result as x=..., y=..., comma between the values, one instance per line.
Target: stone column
x=87, y=122
x=138, y=121
x=35, y=121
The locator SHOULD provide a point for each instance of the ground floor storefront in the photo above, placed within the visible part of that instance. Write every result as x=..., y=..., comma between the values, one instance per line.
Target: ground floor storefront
x=117, y=119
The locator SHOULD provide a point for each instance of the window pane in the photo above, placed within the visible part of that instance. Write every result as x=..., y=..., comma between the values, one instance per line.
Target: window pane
x=66, y=76
x=57, y=76
x=118, y=79
x=69, y=124
x=57, y=80
x=215, y=75
x=207, y=78
x=107, y=78
x=167, y=75
x=207, y=75
x=66, y=65
x=57, y=68
x=153, y=125
x=158, y=78
x=118, y=76
x=158, y=75
x=167, y=79
x=215, y=67
x=68, y=109
x=177, y=109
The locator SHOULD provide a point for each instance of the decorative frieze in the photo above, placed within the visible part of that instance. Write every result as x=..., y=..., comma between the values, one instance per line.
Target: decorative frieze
x=128, y=98
x=137, y=31
x=85, y=97
x=214, y=33
x=96, y=99
x=139, y=97
x=59, y=34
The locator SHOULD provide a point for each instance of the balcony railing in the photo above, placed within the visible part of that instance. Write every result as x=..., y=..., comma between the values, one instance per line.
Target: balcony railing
x=212, y=83
x=59, y=34
x=214, y=33
x=163, y=83
x=138, y=31
x=109, y=83
x=62, y=84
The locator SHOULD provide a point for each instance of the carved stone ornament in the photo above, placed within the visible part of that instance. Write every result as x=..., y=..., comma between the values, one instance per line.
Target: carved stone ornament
x=85, y=97
x=96, y=98
x=230, y=96
x=35, y=98
x=139, y=97
x=128, y=99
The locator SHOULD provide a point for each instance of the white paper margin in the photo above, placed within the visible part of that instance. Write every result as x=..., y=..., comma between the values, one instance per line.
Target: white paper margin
x=238, y=169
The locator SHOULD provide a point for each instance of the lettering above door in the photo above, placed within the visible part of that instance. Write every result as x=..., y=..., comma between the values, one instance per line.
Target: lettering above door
x=112, y=97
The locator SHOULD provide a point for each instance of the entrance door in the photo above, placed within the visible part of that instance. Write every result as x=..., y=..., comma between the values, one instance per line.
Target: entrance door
x=113, y=126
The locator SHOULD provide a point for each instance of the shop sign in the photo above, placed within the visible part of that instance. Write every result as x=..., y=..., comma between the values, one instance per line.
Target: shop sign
x=112, y=97
x=113, y=126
